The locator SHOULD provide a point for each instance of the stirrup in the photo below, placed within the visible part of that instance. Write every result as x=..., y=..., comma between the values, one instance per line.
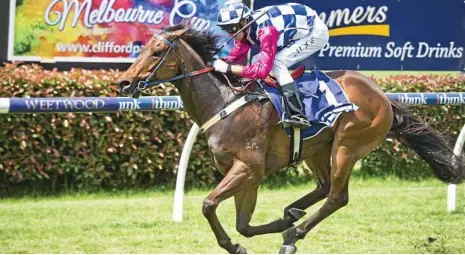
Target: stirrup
x=296, y=122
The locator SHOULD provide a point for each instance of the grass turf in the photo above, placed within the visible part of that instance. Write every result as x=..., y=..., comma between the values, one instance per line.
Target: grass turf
x=383, y=216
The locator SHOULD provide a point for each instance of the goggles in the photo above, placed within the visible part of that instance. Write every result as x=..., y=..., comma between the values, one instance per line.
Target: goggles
x=231, y=28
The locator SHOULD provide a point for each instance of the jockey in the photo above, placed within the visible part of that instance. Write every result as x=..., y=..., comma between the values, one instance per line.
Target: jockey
x=286, y=34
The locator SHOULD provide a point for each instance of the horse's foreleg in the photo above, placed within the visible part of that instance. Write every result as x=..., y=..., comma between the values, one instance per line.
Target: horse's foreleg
x=319, y=163
x=245, y=205
x=232, y=183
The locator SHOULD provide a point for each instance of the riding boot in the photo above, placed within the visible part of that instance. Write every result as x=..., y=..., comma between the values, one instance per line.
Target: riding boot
x=294, y=109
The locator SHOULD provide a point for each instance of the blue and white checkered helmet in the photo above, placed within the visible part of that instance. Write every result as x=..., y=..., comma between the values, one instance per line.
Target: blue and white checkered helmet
x=232, y=12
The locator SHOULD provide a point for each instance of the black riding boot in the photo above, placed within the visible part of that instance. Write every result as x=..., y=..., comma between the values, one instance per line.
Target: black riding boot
x=294, y=108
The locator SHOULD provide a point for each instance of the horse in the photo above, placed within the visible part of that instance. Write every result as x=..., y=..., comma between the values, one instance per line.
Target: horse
x=247, y=144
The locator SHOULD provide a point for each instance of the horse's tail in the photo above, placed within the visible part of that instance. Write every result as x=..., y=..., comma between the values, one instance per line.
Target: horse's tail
x=428, y=144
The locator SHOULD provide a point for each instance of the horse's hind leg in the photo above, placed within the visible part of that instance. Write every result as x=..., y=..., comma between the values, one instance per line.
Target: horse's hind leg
x=245, y=201
x=350, y=144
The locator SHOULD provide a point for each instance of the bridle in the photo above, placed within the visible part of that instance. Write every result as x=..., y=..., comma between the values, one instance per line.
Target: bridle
x=146, y=84
x=143, y=85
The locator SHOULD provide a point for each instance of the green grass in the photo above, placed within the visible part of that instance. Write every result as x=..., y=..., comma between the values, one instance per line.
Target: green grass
x=383, y=216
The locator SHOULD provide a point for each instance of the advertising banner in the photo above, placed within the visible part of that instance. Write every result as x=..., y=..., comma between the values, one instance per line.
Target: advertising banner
x=155, y=103
x=389, y=34
x=89, y=104
x=99, y=30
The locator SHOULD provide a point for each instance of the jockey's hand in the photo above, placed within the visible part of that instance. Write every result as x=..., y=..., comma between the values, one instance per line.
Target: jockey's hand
x=220, y=66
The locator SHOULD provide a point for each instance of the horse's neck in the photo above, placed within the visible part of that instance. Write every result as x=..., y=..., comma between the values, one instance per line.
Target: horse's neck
x=203, y=95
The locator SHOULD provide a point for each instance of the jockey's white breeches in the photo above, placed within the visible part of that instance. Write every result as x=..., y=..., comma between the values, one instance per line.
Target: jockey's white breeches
x=298, y=51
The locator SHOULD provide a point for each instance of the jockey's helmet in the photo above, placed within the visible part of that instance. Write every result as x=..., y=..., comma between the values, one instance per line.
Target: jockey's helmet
x=231, y=14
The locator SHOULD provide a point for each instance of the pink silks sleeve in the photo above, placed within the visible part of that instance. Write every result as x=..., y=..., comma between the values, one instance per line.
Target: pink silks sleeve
x=268, y=38
x=238, y=52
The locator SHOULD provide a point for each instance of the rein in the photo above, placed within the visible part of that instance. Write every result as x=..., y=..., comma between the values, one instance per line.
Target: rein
x=144, y=85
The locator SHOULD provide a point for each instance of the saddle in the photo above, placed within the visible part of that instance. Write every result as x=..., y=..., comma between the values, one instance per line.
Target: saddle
x=296, y=74
x=295, y=148
x=323, y=98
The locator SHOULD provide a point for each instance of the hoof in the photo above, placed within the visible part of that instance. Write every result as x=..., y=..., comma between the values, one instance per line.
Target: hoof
x=289, y=236
x=287, y=249
x=240, y=249
x=296, y=213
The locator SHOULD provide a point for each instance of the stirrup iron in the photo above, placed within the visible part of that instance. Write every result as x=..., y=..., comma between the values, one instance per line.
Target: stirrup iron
x=293, y=107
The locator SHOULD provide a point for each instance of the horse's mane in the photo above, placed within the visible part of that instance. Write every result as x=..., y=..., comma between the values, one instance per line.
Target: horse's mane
x=204, y=44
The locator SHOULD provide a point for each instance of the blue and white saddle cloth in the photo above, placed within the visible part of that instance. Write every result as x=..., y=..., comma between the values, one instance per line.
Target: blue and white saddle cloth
x=323, y=98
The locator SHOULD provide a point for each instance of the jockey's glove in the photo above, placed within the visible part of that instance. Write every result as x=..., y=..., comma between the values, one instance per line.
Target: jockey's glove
x=220, y=66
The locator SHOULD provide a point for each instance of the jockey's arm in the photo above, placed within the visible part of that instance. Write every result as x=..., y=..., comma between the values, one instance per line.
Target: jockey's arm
x=238, y=52
x=268, y=38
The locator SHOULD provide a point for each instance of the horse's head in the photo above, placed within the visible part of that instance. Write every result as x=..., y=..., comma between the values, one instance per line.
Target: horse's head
x=158, y=61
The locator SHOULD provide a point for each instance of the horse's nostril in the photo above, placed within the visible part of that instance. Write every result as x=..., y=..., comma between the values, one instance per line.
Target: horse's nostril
x=124, y=83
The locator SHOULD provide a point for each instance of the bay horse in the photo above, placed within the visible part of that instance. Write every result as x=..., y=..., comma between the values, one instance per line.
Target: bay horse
x=248, y=144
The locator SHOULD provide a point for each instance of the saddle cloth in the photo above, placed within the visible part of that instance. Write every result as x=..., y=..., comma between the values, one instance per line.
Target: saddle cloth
x=323, y=99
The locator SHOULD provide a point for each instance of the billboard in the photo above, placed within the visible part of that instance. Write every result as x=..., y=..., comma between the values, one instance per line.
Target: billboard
x=99, y=30
x=389, y=34
x=364, y=34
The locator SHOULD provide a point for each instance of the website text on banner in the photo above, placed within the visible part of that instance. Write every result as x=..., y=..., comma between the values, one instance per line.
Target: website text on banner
x=89, y=104
x=100, y=30
x=154, y=103
x=388, y=35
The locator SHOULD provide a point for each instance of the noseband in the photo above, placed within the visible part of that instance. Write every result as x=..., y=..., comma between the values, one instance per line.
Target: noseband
x=143, y=85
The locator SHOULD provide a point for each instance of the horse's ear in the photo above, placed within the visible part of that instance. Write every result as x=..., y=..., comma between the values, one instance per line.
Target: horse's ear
x=179, y=33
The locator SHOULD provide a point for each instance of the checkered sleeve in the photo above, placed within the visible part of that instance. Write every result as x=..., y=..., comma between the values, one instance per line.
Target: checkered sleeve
x=268, y=37
x=238, y=52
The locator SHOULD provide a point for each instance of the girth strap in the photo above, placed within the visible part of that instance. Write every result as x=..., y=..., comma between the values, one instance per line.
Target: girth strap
x=231, y=108
x=295, y=146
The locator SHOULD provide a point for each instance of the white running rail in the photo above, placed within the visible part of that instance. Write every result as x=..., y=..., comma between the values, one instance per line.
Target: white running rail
x=451, y=188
